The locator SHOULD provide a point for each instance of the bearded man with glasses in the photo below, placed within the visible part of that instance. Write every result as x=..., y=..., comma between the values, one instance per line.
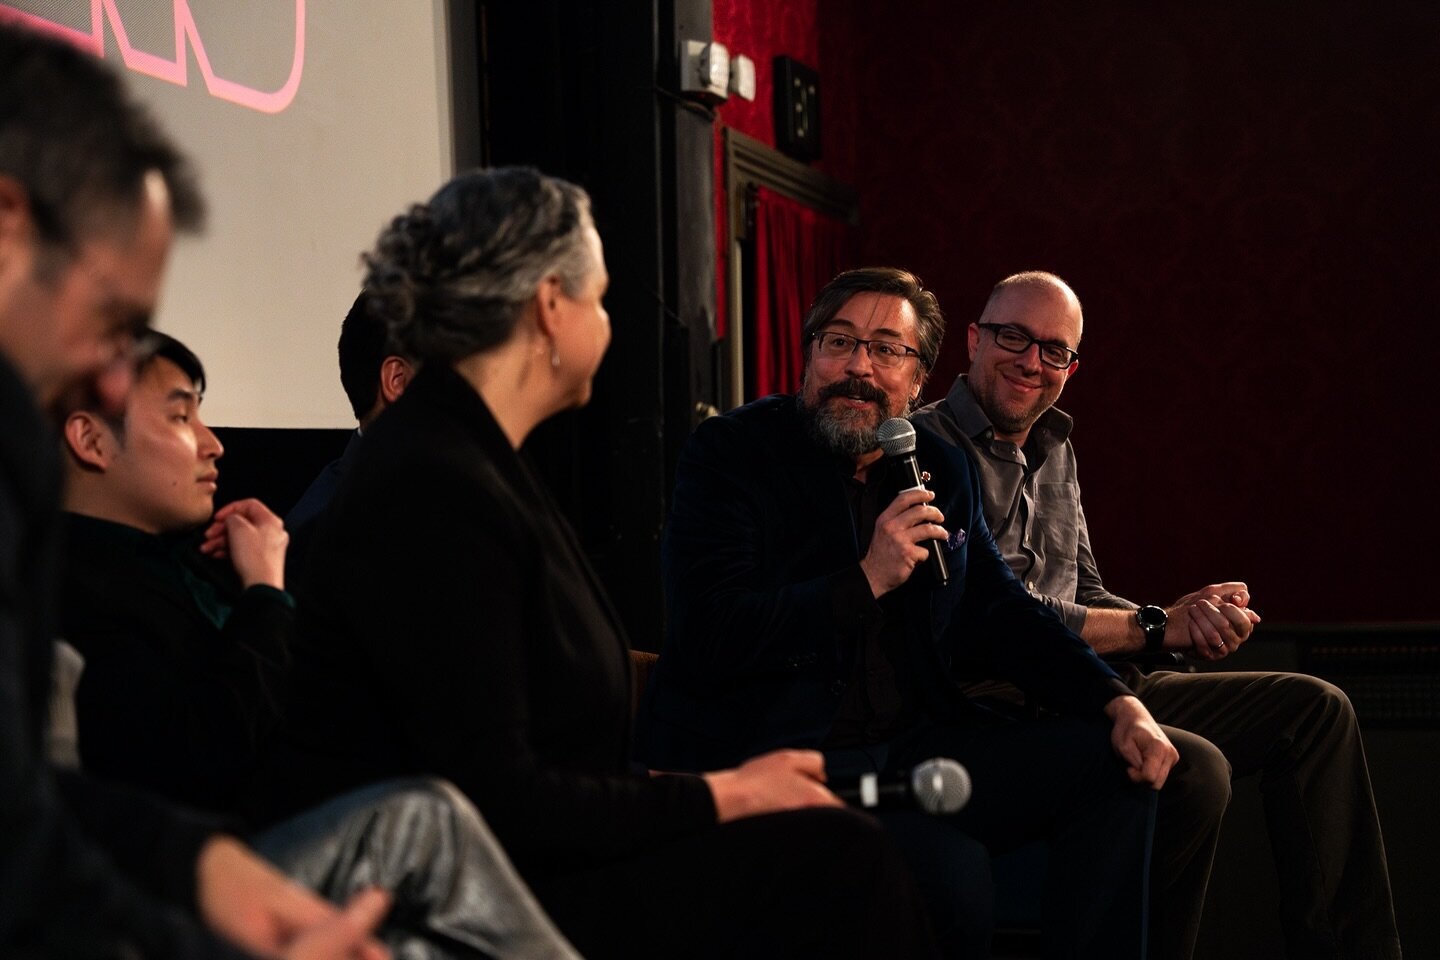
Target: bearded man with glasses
x=803, y=613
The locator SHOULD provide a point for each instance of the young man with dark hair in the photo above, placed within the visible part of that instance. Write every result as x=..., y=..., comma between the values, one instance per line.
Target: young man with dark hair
x=185, y=642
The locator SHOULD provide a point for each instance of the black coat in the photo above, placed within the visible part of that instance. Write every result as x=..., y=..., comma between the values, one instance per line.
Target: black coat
x=766, y=599
x=451, y=626
x=169, y=700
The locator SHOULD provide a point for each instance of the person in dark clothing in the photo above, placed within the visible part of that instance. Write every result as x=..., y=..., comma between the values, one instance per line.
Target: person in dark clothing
x=90, y=194
x=374, y=376
x=182, y=620
x=1298, y=733
x=452, y=625
x=186, y=643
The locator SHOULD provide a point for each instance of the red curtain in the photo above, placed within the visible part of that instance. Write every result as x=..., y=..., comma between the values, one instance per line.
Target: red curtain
x=797, y=251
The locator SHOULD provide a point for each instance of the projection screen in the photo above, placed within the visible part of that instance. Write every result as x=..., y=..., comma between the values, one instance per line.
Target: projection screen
x=311, y=124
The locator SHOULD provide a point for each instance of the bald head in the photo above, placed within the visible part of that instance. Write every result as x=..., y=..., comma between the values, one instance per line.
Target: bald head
x=1039, y=285
x=1023, y=350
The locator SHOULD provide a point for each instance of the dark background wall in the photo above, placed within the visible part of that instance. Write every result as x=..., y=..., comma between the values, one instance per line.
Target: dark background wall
x=568, y=87
x=1246, y=200
x=586, y=90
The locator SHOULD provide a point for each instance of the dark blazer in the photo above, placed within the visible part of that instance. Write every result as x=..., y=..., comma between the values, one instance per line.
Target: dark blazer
x=304, y=518
x=62, y=838
x=766, y=599
x=170, y=700
x=451, y=626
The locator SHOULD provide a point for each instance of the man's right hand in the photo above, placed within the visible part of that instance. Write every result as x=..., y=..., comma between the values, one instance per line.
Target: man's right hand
x=1138, y=740
x=897, y=545
x=254, y=539
x=770, y=783
x=1212, y=622
x=345, y=936
x=256, y=907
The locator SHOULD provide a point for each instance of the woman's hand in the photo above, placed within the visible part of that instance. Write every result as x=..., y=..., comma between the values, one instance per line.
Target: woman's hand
x=782, y=780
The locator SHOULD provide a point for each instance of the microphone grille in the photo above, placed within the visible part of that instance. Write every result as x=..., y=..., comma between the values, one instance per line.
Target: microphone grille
x=940, y=785
x=896, y=437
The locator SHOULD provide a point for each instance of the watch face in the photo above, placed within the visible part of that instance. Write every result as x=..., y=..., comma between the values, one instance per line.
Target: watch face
x=1152, y=616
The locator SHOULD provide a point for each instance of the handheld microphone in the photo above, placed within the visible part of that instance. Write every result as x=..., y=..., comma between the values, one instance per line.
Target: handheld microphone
x=939, y=785
x=897, y=439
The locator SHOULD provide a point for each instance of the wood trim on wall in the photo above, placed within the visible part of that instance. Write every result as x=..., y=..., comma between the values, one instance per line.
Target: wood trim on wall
x=750, y=164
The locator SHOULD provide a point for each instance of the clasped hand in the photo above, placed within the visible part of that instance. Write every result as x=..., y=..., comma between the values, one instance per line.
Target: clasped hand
x=1212, y=622
x=254, y=539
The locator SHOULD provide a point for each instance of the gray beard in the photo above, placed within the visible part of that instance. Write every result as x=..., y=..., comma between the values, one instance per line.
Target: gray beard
x=844, y=438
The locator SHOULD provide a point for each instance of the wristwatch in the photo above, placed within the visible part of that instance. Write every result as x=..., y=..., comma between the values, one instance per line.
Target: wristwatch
x=1152, y=620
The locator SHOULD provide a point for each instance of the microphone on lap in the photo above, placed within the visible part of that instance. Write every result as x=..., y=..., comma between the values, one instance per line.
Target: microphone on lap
x=938, y=786
x=897, y=439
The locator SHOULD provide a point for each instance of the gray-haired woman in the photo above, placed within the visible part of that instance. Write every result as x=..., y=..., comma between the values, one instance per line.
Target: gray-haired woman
x=455, y=628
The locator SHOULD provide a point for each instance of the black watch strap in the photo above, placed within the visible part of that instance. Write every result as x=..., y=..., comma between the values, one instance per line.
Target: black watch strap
x=1152, y=620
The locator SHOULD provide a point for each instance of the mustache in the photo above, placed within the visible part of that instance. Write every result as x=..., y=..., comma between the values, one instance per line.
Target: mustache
x=854, y=389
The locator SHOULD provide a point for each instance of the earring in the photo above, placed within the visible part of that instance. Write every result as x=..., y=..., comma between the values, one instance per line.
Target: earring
x=554, y=358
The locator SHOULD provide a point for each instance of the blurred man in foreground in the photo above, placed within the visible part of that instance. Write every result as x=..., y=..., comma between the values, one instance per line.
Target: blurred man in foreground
x=90, y=195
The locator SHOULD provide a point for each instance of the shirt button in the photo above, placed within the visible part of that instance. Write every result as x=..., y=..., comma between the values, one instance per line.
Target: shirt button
x=838, y=687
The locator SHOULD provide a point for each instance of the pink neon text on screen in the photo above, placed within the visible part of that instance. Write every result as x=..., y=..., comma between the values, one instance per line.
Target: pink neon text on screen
x=171, y=71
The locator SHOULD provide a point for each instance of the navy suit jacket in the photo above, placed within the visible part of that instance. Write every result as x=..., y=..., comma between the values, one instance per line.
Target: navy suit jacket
x=766, y=599
x=304, y=518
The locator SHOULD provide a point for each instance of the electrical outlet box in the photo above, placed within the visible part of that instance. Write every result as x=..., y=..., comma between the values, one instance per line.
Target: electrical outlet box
x=797, y=109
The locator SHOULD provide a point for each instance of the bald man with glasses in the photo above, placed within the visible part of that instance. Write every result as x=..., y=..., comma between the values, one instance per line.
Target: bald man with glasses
x=1298, y=733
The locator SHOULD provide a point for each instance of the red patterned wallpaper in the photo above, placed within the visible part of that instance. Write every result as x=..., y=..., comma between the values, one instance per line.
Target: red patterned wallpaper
x=760, y=30
x=1246, y=198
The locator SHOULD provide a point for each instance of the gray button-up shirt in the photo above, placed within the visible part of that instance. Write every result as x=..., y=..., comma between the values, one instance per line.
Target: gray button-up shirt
x=1032, y=503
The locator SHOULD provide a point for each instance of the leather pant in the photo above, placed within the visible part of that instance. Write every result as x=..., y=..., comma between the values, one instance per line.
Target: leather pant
x=455, y=892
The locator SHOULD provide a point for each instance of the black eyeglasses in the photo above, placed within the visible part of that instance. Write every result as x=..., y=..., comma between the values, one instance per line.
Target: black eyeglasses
x=841, y=346
x=1054, y=355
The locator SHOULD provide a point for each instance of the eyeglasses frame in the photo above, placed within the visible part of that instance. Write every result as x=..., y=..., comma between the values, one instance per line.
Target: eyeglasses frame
x=997, y=328
x=909, y=351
